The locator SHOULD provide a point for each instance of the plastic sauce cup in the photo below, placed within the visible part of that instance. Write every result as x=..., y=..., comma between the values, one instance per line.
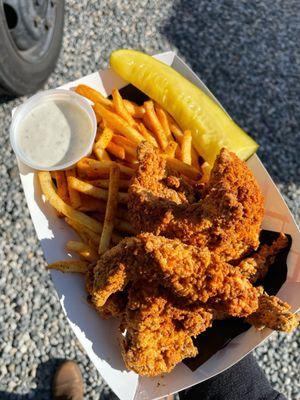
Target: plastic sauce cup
x=55, y=95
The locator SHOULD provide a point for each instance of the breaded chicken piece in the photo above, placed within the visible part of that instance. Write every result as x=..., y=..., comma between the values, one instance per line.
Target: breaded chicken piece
x=227, y=219
x=114, y=306
x=156, y=334
x=155, y=188
x=275, y=314
x=256, y=267
x=190, y=273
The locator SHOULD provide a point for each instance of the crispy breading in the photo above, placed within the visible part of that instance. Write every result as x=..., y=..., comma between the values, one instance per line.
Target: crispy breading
x=155, y=190
x=257, y=266
x=275, y=314
x=188, y=272
x=227, y=218
x=156, y=334
x=169, y=282
x=114, y=306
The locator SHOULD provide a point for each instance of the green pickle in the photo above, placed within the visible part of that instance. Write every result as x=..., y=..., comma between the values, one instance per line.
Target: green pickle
x=191, y=108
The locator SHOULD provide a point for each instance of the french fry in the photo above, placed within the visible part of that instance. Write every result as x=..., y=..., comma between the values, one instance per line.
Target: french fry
x=171, y=149
x=93, y=95
x=134, y=110
x=61, y=184
x=95, y=168
x=73, y=194
x=93, y=191
x=116, y=150
x=99, y=119
x=195, y=158
x=92, y=236
x=77, y=228
x=91, y=204
x=127, y=144
x=130, y=159
x=183, y=168
x=62, y=207
x=117, y=123
x=104, y=183
x=186, y=147
x=70, y=266
x=147, y=123
x=155, y=124
x=147, y=135
x=121, y=108
x=82, y=249
x=101, y=144
x=178, y=134
x=206, y=169
x=101, y=154
x=112, y=203
x=178, y=153
x=104, y=138
x=84, y=237
x=162, y=117
x=87, y=188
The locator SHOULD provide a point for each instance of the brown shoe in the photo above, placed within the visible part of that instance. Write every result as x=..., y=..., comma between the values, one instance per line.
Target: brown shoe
x=67, y=382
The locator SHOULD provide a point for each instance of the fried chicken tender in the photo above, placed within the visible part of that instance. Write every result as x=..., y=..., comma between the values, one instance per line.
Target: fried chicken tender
x=155, y=188
x=156, y=334
x=193, y=274
x=275, y=314
x=114, y=306
x=227, y=218
x=256, y=267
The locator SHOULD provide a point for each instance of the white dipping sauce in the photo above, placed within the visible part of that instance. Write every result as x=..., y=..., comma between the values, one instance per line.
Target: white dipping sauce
x=54, y=132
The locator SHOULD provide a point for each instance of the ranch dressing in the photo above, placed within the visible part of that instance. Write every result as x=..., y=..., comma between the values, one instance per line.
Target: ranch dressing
x=55, y=131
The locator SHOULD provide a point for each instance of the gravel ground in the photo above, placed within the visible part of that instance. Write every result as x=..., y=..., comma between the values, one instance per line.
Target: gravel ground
x=248, y=54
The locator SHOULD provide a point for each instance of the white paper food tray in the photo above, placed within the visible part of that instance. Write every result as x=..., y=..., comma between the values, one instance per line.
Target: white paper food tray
x=99, y=337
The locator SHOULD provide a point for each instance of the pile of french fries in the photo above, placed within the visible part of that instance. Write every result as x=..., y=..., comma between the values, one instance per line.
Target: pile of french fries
x=92, y=196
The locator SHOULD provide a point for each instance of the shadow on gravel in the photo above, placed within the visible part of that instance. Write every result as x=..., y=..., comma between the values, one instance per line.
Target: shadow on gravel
x=5, y=99
x=44, y=376
x=246, y=53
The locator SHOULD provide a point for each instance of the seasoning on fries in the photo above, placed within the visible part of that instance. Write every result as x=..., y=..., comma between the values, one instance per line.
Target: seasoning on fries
x=121, y=108
x=186, y=147
x=74, y=196
x=155, y=125
x=111, y=207
x=92, y=196
x=63, y=208
x=70, y=266
x=117, y=123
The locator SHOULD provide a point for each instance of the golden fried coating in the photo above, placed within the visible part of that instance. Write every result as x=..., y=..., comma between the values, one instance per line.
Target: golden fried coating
x=188, y=272
x=256, y=267
x=156, y=334
x=114, y=306
x=227, y=219
x=275, y=314
x=169, y=282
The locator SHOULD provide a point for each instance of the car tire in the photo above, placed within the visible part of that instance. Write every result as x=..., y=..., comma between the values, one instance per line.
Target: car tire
x=25, y=71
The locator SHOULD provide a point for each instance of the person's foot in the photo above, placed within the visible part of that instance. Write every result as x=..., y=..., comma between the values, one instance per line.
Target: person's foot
x=67, y=382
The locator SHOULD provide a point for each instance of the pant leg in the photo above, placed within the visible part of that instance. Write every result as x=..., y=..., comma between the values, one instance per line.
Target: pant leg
x=244, y=381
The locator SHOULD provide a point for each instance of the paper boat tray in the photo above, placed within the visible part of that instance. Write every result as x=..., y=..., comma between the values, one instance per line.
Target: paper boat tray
x=99, y=337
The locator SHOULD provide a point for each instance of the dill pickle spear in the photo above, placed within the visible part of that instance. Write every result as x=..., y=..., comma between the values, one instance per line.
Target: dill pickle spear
x=191, y=108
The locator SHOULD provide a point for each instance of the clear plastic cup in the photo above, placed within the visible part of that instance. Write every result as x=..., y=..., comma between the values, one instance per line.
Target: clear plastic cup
x=52, y=95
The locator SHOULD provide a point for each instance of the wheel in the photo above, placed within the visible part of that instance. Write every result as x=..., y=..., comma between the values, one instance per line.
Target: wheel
x=30, y=41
